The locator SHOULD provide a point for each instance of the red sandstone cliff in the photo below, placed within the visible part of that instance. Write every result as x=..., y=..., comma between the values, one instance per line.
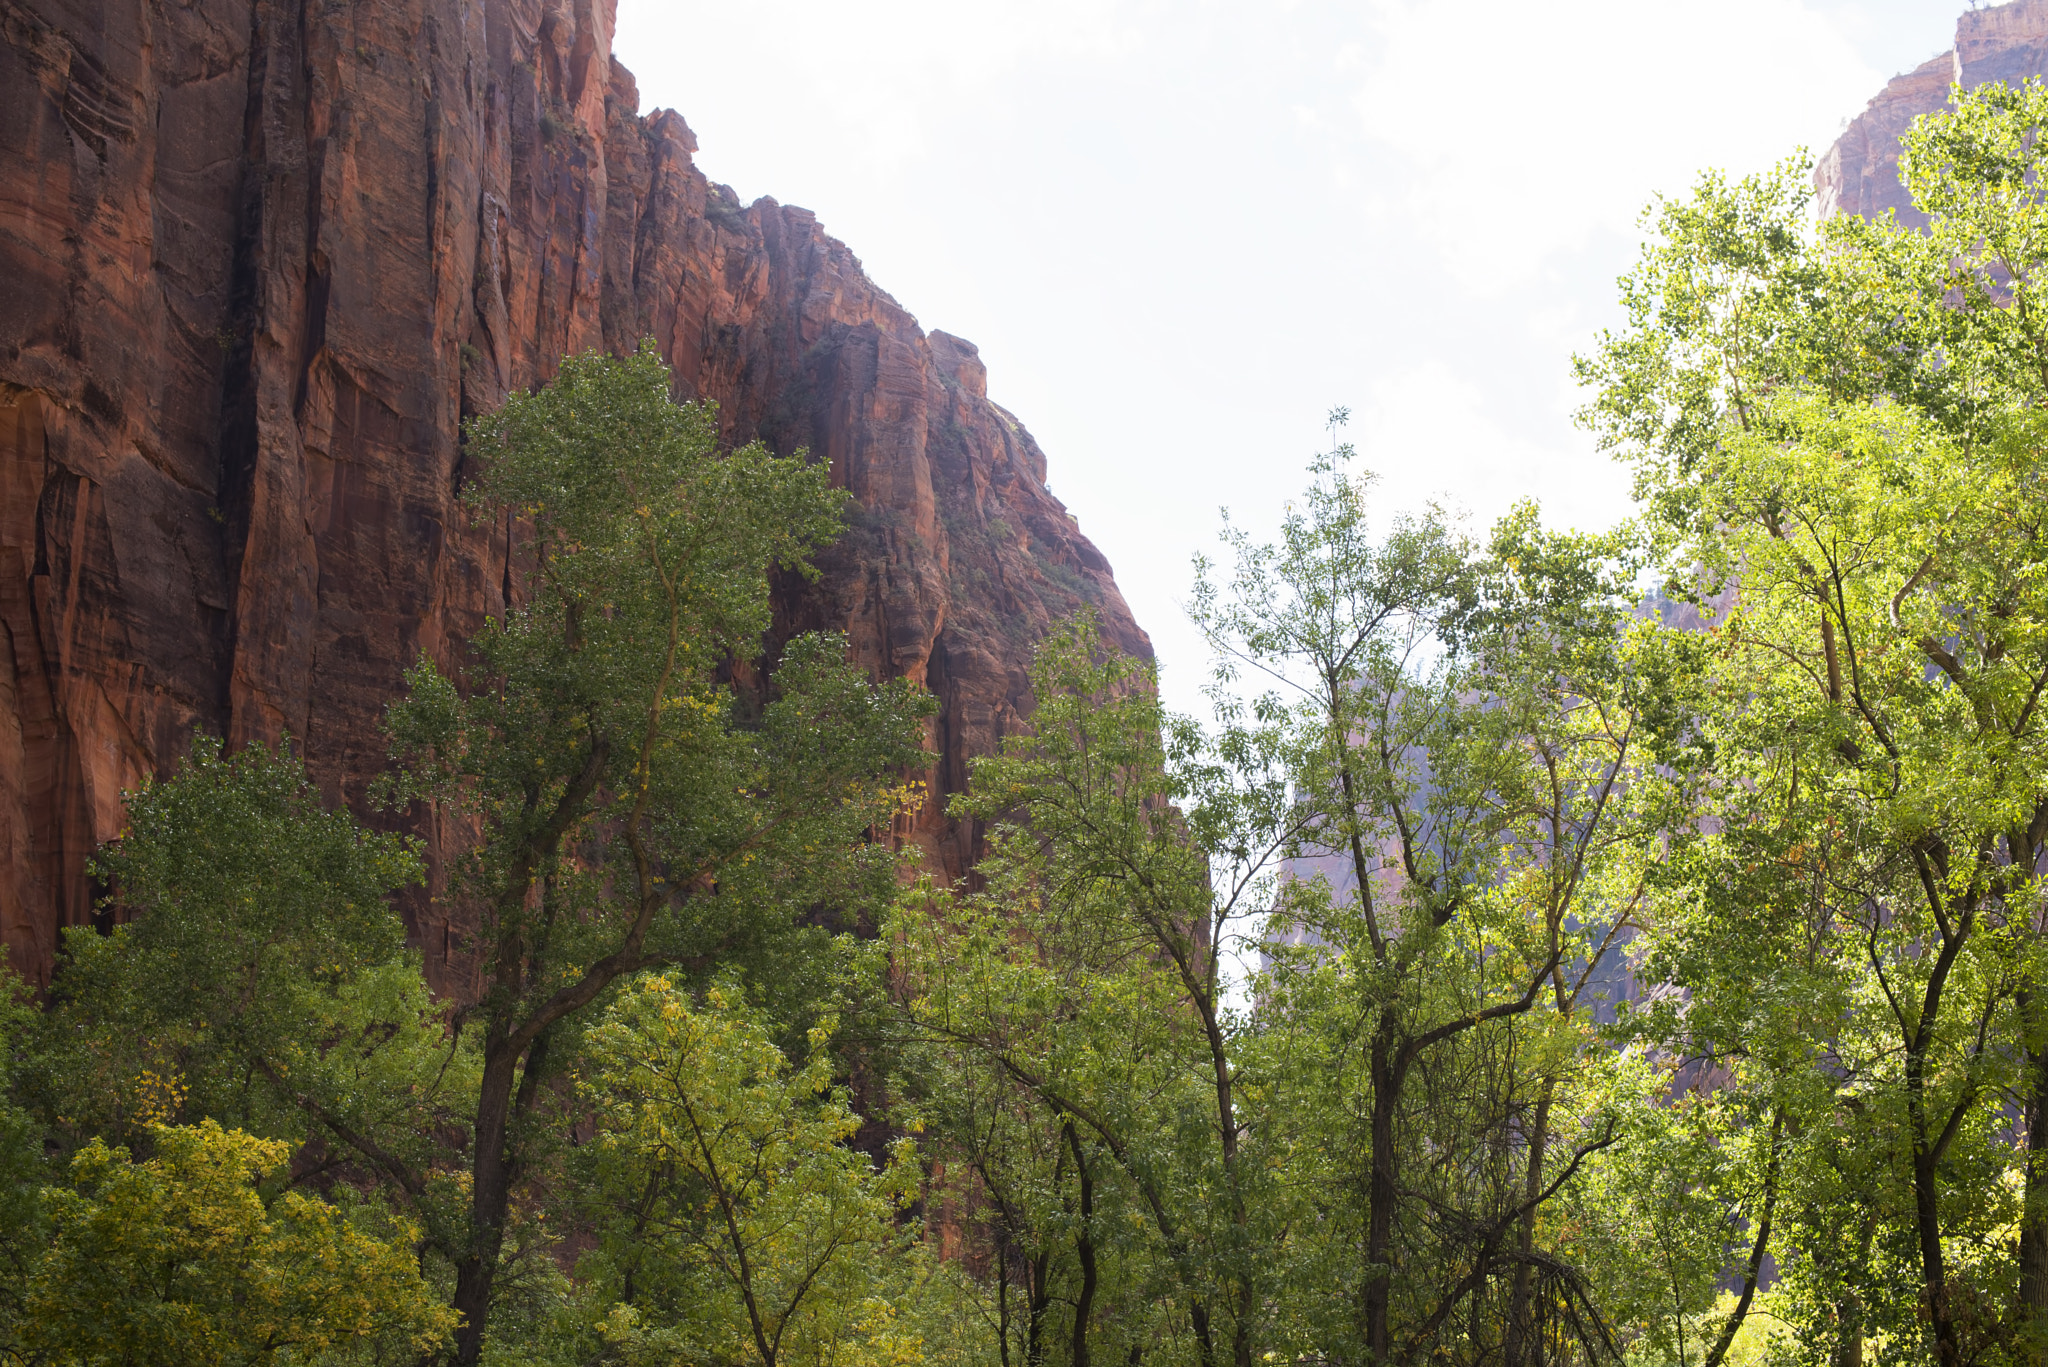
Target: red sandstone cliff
x=257, y=260
x=1860, y=173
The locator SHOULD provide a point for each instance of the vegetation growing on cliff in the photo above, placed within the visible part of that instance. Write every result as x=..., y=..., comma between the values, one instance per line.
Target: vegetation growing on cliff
x=1641, y=986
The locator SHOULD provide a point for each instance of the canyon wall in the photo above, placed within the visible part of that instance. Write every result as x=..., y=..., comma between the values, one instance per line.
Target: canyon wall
x=1860, y=173
x=259, y=258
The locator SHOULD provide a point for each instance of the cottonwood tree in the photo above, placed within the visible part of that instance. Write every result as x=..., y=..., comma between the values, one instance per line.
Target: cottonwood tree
x=739, y=1223
x=1460, y=726
x=262, y=937
x=635, y=811
x=1085, y=972
x=1461, y=733
x=632, y=808
x=182, y=1256
x=1841, y=431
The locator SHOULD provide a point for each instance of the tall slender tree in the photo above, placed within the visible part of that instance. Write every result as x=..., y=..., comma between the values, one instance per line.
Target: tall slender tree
x=1841, y=434
x=1459, y=724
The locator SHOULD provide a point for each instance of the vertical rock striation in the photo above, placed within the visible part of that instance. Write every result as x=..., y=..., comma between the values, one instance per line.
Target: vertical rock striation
x=260, y=259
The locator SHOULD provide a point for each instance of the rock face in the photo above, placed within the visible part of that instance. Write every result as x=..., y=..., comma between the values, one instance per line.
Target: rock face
x=258, y=258
x=1860, y=173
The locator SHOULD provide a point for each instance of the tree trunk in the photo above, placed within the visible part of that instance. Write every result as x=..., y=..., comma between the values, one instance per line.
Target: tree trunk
x=1849, y=1347
x=1205, y=1341
x=1517, y=1339
x=490, y=1198
x=1084, y=1250
x=1933, y=1266
x=1376, y=1296
x=2033, y=1251
x=1929, y=1140
x=1758, y=1249
x=1849, y=1315
x=1003, y=1302
x=1039, y=1289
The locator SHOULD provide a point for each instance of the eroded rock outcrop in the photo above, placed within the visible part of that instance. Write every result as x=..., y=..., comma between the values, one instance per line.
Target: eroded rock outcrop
x=258, y=258
x=1860, y=173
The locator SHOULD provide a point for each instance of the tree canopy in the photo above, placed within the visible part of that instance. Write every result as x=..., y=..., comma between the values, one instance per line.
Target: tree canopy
x=1555, y=948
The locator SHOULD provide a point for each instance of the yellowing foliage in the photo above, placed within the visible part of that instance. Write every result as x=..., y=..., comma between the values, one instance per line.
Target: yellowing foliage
x=181, y=1258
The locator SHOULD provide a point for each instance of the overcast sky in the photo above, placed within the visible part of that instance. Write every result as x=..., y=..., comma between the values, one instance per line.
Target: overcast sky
x=1180, y=233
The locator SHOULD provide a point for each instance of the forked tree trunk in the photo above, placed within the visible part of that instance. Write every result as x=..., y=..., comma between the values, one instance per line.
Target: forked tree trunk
x=1039, y=1289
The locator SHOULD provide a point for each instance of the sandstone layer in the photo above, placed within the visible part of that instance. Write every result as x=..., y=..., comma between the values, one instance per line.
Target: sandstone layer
x=1860, y=173
x=258, y=259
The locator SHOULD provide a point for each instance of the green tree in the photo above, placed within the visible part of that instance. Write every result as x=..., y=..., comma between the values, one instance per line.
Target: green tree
x=1005, y=1164
x=1840, y=434
x=1461, y=727
x=23, y=1170
x=1086, y=972
x=183, y=1257
x=632, y=809
x=636, y=810
x=741, y=1224
x=1457, y=730
x=256, y=913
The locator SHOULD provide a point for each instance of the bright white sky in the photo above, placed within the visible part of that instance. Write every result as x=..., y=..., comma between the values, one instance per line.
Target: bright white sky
x=1181, y=231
